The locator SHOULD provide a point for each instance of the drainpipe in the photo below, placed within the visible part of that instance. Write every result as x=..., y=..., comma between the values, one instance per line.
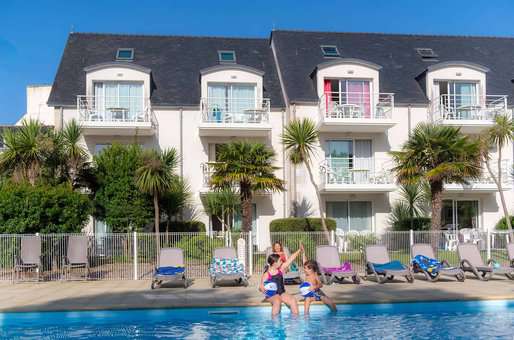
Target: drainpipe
x=284, y=170
x=181, y=151
x=409, y=119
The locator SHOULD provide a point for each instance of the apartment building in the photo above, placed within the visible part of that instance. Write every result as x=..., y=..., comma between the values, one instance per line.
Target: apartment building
x=365, y=92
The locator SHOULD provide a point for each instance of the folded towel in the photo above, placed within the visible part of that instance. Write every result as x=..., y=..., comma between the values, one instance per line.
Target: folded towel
x=169, y=270
x=393, y=265
x=431, y=266
x=225, y=266
x=344, y=268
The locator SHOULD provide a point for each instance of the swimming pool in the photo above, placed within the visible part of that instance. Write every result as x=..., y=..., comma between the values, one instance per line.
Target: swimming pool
x=398, y=321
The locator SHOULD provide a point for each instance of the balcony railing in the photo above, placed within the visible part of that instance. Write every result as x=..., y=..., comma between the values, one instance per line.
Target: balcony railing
x=126, y=109
x=467, y=107
x=224, y=110
x=342, y=171
x=486, y=178
x=356, y=105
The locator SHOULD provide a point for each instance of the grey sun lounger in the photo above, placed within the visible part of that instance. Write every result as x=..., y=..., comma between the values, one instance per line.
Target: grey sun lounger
x=217, y=276
x=291, y=276
x=331, y=268
x=76, y=256
x=426, y=249
x=171, y=268
x=510, y=253
x=380, y=265
x=29, y=258
x=471, y=261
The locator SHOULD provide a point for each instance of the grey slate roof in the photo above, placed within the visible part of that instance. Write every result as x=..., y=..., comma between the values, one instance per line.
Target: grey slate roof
x=298, y=53
x=175, y=63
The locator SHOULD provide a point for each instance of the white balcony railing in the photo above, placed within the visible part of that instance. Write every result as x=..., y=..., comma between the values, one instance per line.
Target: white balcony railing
x=356, y=105
x=487, y=179
x=124, y=109
x=341, y=171
x=224, y=110
x=467, y=107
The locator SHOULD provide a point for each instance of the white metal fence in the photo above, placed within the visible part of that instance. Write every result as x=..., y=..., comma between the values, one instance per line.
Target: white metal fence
x=133, y=256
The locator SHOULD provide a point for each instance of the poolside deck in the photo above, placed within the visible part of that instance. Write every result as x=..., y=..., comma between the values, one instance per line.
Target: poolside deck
x=92, y=295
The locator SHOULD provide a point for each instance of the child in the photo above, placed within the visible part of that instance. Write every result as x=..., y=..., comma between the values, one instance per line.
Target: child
x=278, y=249
x=312, y=281
x=274, y=274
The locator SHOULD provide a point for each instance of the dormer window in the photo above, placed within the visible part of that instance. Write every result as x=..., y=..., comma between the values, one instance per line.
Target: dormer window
x=227, y=56
x=330, y=51
x=125, y=54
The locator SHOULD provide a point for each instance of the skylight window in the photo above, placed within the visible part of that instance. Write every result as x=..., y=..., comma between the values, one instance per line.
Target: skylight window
x=227, y=56
x=125, y=54
x=329, y=51
x=426, y=53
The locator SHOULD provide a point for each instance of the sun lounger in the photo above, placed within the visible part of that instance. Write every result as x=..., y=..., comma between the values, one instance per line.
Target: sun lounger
x=379, y=264
x=225, y=266
x=293, y=274
x=331, y=268
x=443, y=268
x=510, y=253
x=76, y=256
x=171, y=268
x=29, y=258
x=471, y=261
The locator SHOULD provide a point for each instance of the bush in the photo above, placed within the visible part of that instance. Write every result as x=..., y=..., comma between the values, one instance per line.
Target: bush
x=184, y=226
x=502, y=223
x=300, y=224
x=199, y=247
x=26, y=209
x=418, y=223
x=360, y=241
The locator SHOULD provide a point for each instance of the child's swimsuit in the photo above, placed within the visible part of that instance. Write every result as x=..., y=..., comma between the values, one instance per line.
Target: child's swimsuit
x=278, y=278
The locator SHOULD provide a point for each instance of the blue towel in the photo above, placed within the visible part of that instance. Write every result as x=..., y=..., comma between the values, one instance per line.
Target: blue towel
x=393, y=265
x=169, y=270
x=431, y=266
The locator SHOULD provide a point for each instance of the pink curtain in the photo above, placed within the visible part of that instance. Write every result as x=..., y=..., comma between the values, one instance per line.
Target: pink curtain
x=358, y=94
x=328, y=93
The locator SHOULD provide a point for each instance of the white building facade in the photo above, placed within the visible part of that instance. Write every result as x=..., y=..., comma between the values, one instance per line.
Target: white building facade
x=365, y=92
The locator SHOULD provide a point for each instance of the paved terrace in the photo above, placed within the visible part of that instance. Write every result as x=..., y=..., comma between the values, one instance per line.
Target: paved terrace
x=53, y=296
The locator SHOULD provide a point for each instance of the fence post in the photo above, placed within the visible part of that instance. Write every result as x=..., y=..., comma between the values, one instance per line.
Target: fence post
x=250, y=254
x=134, y=241
x=332, y=238
x=411, y=241
x=488, y=244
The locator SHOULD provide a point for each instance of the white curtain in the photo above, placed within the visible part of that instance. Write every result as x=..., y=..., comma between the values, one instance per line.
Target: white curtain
x=242, y=99
x=339, y=212
x=362, y=161
x=360, y=216
x=216, y=103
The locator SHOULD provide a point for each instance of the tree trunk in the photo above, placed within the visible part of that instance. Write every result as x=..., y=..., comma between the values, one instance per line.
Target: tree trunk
x=157, y=233
x=437, y=204
x=498, y=182
x=320, y=202
x=246, y=207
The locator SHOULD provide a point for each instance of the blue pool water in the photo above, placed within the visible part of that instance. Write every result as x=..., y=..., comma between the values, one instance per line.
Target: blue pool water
x=442, y=320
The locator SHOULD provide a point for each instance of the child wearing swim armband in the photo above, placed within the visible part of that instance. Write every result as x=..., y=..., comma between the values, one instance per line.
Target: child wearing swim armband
x=272, y=283
x=311, y=287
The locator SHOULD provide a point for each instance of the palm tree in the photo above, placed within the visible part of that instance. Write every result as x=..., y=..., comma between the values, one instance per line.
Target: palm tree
x=223, y=204
x=437, y=154
x=74, y=154
x=155, y=177
x=248, y=166
x=300, y=139
x=412, y=204
x=498, y=136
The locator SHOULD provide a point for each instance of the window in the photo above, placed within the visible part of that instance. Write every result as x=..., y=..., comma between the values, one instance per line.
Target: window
x=460, y=214
x=459, y=100
x=231, y=103
x=119, y=101
x=125, y=54
x=348, y=98
x=329, y=51
x=100, y=147
x=351, y=215
x=350, y=161
x=426, y=53
x=227, y=56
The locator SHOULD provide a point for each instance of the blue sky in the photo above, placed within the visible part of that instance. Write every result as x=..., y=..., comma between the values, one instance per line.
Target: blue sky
x=33, y=33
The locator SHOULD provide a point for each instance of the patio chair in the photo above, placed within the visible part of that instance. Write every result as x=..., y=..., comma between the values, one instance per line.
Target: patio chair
x=171, y=268
x=225, y=266
x=293, y=274
x=29, y=258
x=76, y=256
x=471, y=261
x=380, y=265
x=444, y=269
x=331, y=267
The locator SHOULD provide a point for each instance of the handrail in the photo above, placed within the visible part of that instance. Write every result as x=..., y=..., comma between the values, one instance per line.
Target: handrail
x=226, y=110
x=114, y=109
x=467, y=107
x=355, y=171
x=356, y=105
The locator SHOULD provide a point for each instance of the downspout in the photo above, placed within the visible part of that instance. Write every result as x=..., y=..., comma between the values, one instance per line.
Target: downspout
x=284, y=170
x=409, y=119
x=181, y=151
x=293, y=167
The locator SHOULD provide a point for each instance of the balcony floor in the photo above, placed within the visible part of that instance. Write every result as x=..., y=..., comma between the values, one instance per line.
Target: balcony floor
x=234, y=129
x=355, y=125
x=477, y=188
x=469, y=126
x=93, y=128
x=358, y=188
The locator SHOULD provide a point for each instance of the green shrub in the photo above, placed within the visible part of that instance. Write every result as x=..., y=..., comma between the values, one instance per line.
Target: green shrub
x=360, y=241
x=418, y=223
x=502, y=223
x=300, y=224
x=199, y=247
x=184, y=227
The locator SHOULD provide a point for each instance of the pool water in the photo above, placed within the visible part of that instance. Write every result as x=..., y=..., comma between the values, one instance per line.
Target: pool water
x=442, y=320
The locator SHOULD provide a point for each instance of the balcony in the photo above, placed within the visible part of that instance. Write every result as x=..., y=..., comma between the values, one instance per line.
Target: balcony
x=238, y=117
x=350, y=175
x=207, y=172
x=472, y=114
x=117, y=116
x=484, y=184
x=356, y=112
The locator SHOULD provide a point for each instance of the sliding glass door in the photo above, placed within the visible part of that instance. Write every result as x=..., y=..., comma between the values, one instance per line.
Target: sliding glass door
x=350, y=161
x=118, y=101
x=231, y=102
x=348, y=98
x=460, y=213
x=351, y=215
x=460, y=99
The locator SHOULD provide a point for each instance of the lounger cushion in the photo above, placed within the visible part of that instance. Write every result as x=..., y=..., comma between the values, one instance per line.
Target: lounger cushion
x=169, y=270
x=393, y=265
x=344, y=268
x=226, y=266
